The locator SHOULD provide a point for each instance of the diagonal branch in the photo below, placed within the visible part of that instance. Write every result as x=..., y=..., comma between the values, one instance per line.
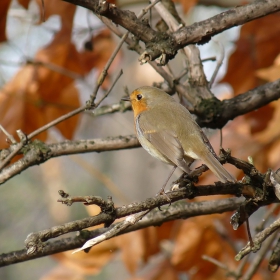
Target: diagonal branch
x=158, y=43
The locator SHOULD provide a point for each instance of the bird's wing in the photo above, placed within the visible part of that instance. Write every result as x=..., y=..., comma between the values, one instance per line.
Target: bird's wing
x=166, y=143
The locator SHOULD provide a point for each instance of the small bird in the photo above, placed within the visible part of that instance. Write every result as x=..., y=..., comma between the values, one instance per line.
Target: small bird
x=167, y=131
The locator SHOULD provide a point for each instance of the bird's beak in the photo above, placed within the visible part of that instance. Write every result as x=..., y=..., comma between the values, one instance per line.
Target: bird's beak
x=125, y=99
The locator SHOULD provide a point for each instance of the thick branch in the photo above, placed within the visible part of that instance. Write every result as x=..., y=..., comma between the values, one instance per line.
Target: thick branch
x=201, y=32
x=251, y=100
x=159, y=43
x=179, y=210
x=124, y=18
x=186, y=189
x=239, y=105
x=38, y=152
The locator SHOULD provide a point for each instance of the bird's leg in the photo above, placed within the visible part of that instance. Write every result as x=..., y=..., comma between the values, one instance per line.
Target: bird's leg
x=161, y=191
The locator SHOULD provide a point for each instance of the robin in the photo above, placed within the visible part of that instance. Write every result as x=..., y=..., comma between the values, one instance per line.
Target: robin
x=167, y=131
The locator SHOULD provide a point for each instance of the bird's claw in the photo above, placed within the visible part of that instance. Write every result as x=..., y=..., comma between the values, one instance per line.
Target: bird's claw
x=162, y=192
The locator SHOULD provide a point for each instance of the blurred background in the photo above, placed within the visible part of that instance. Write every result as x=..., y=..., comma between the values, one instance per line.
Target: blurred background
x=38, y=61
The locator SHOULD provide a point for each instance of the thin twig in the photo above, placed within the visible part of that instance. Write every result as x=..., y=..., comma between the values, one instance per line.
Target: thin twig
x=55, y=68
x=112, y=86
x=241, y=266
x=110, y=109
x=215, y=262
x=116, y=230
x=51, y=66
x=258, y=240
x=229, y=272
x=254, y=265
x=11, y=155
x=104, y=73
x=9, y=136
x=249, y=232
x=135, y=46
x=219, y=64
x=37, y=131
x=105, y=180
x=267, y=215
x=212, y=58
x=221, y=138
x=56, y=121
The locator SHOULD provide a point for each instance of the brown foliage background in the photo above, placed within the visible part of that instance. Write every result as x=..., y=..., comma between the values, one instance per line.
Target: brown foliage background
x=44, y=89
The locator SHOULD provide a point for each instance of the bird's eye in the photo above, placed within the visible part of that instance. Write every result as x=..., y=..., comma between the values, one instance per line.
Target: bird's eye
x=139, y=96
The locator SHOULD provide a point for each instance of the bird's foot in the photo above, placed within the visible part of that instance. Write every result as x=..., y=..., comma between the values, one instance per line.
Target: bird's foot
x=162, y=192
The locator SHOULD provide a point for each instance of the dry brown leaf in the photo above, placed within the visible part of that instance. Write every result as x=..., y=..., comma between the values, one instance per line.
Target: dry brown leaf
x=61, y=272
x=137, y=247
x=4, y=6
x=160, y=270
x=271, y=73
x=37, y=94
x=132, y=250
x=53, y=7
x=89, y=263
x=187, y=5
x=103, y=46
x=197, y=237
x=25, y=3
x=255, y=49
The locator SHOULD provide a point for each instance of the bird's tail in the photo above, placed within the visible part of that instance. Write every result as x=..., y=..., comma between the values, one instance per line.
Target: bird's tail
x=216, y=167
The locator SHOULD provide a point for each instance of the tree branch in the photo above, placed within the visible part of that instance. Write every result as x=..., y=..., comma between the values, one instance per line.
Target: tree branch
x=201, y=32
x=225, y=110
x=179, y=210
x=244, y=103
x=38, y=152
x=158, y=43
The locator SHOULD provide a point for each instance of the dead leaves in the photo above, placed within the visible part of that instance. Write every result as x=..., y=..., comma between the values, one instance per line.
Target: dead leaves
x=255, y=49
x=44, y=89
x=187, y=5
x=155, y=252
x=4, y=6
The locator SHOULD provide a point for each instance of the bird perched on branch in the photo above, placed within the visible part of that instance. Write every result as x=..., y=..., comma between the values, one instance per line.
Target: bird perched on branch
x=167, y=131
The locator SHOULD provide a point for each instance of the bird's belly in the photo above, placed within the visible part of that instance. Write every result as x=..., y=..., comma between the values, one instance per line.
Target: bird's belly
x=152, y=150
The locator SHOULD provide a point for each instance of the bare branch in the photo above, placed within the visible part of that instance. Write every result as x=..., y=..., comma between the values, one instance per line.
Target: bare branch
x=114, y=231
x=158, y=43
x=239, y=105
x=38, y=152
x=255, y=263
x=103, y=74
x=179, y=210
x=219, y=64
x=258, y=240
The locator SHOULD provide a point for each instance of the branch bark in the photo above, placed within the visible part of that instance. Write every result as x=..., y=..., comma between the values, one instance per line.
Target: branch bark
x=179, y=210
x=158, y=43
x=38, y=152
